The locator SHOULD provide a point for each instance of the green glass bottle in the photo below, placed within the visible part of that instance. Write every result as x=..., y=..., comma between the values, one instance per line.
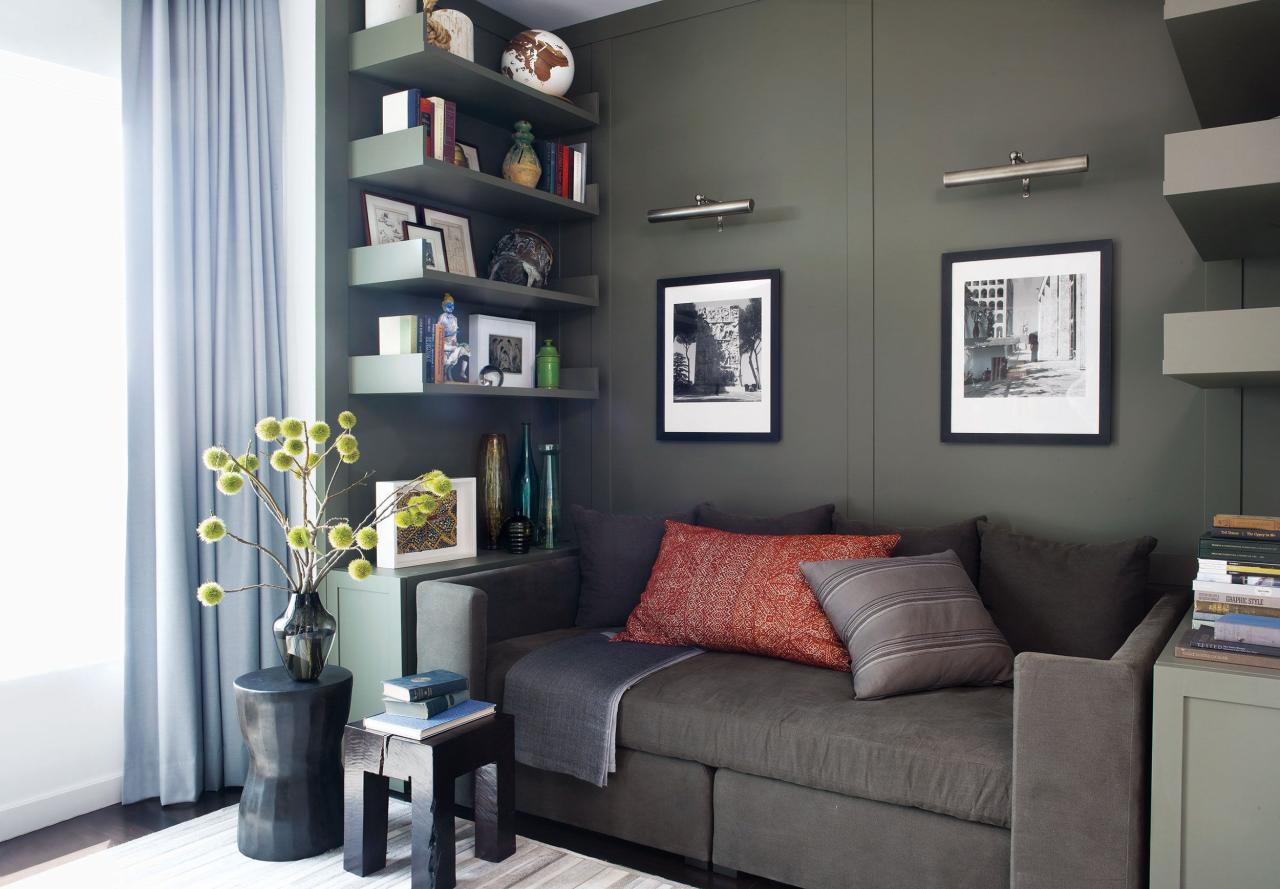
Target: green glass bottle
x=548, y=367
x=524, y=481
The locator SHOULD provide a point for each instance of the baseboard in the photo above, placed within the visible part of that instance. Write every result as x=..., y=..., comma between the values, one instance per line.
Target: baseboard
x=34, y=813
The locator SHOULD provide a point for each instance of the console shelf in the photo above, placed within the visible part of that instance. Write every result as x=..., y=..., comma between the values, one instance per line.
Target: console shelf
x=1223, y=349
x=404, y=375
x=1229, y=57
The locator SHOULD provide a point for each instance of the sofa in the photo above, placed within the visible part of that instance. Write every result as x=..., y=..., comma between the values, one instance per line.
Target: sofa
x=772, y=768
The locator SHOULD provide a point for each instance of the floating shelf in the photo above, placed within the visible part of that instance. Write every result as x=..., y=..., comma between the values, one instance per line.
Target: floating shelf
x=1222, y=349
x=400, y=161
x=404, y=375
x=1224, y=186
x=1229, y=51
x=397, y=54
x=400, y=268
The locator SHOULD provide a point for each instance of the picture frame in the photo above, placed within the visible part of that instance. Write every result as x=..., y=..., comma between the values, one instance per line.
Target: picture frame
x=449, y=534
x=433, y=256
x=459, y=253
x=472, y=155
x=505, y=343
x=1026, y=344
x=384, y=217
x=719, y=367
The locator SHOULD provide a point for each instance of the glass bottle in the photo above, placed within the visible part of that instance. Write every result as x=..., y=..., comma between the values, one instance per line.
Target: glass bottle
x=549, y=505
x=524, y=481
x=495, y=487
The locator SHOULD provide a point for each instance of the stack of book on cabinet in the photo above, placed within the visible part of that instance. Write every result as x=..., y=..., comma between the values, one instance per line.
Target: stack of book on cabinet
x=1237, y=594
x=426, y=704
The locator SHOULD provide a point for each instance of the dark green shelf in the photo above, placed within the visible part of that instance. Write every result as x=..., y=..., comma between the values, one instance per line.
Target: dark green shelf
x=404, y=375
x=1229, y=51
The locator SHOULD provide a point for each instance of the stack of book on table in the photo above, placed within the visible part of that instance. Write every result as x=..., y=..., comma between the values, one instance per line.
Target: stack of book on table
x=1236, y=619
x=426, y=704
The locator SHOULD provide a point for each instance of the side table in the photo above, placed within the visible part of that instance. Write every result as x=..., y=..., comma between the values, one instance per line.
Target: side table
x=485, y=747
x=291, y=807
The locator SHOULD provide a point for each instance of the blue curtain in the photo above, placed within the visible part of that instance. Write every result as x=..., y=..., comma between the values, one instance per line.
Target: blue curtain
x=202, y=87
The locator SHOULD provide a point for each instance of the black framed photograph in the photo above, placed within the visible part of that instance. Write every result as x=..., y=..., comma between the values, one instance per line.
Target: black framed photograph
x=1026, y=344
x=720, y=357
x=433, y=250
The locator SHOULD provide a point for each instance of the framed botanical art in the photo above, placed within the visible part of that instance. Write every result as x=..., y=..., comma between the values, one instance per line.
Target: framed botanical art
x=433, y=249
x=384, y=218
x=457, y=239
x=720, y=357
x=1026, y=344
x=504, y=343
x=449, y=534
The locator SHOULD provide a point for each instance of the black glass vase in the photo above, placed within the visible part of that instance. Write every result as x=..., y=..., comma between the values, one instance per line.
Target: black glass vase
x=304, y=634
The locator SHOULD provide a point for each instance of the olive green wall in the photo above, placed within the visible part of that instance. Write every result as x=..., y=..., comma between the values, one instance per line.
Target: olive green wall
x=839, y=119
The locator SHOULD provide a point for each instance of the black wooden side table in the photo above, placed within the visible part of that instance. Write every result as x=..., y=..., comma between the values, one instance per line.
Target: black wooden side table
x=485, y=747
x=291, y=807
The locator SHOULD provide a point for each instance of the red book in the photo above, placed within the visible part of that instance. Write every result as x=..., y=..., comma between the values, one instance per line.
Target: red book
x=564, y=171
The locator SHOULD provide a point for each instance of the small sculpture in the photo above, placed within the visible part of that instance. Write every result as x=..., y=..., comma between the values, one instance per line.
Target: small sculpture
x=490, y=376
x=521, y=257
x=539, y=59
x=454, y=358
x=437, y=33
x=521, y=165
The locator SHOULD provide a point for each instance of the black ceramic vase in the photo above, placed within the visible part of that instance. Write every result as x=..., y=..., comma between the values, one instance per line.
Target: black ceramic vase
x=304, y=635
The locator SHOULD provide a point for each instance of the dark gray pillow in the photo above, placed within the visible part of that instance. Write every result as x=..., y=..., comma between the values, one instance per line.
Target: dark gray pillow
x=961, y=538
x=1076, y=599
x=808, y=521
x=911, y=623
x=616, y=555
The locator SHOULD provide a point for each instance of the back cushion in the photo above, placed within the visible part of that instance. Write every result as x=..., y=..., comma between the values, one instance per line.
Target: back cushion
x=961, y=538
x=745, y=592
x=1075, y=599
x=616, y=554
x=808, y=521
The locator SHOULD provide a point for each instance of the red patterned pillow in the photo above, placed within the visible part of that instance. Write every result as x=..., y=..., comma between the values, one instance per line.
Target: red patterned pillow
x=745, y=592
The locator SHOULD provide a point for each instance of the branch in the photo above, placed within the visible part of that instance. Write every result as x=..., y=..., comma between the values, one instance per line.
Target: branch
x=268, y=553
x=259, y=586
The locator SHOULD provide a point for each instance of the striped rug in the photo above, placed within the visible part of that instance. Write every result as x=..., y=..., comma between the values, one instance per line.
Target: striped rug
x=202, y=853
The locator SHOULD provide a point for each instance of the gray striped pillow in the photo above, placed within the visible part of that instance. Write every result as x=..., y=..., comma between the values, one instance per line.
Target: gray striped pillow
x=911, y=623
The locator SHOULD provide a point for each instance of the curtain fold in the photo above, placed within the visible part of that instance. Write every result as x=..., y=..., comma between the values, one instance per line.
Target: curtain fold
x=202, y=84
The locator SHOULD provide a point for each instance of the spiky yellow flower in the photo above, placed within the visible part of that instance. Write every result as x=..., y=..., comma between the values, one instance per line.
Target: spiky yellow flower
x=404, y=519
x=210, y=593
x=319, y=432
x=292, y=427
x=250, y=462
x=313, y=460
x=347, y=420
x=281, y=461
x=230, y=483
x=341, y=536
x=367, y=538
x=211, y=530
x=299, y=537
x=267, y=429
x=353, y=457
x=360, y=569
x=346, y=443
x=216, y=458
x=439, y=485
x=294, y=447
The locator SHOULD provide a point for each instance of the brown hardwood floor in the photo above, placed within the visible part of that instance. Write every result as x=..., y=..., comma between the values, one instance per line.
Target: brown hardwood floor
x=30, y=853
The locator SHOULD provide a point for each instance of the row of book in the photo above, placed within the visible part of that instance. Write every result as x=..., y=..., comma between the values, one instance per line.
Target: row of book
x=564, y=168
x=426, y=704
x=1236, y=617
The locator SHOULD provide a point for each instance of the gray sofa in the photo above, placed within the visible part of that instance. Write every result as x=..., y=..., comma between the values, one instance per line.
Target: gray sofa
x=772, y=768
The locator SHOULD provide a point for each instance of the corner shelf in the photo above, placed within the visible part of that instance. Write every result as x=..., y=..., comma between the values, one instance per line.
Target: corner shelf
x=400, y=268
x=400, y=161
x=397, y=54
x=405, y=374
x=1228, y=53
x=1224, y=186
x=1223, y=349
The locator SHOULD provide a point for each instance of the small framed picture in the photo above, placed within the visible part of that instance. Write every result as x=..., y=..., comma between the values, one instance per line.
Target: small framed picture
x=449, y=534
x=471, y=154
x=720, y=357
x=1026, y=344
x=384, y=218
x=504, y=343
x=433, y=249
x=458, y=253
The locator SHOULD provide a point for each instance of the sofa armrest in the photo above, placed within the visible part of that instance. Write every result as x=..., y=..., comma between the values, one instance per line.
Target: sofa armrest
x=459, y=618
x=1081, y=761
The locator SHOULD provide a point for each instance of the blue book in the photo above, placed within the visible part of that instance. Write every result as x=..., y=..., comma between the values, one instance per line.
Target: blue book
x=421, y=729
x=546, y=152
x=424, y=709
x=421, y=686
x=427, y=346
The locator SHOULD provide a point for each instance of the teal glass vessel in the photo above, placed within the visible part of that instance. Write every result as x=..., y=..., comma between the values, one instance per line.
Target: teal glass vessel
x=524, y=481
x=549, y=527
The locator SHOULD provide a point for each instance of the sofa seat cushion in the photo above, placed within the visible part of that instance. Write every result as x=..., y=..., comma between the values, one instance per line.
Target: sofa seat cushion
x=947, y=751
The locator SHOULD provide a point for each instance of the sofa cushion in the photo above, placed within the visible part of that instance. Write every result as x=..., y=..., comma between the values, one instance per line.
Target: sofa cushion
x=959, y=537
x=807, y=521
x=744, y=592
x=1075, y=599
x=947, y=751
x=617, y=554
x=910, y=624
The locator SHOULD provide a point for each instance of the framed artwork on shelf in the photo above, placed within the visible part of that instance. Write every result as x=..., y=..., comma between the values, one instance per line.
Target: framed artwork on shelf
x=504, y=343
x=720, y=357
x=471, y=154
x=384, y=218
x=458, y=252
x=449, y=534
x=1026, y=344
x=433, y=252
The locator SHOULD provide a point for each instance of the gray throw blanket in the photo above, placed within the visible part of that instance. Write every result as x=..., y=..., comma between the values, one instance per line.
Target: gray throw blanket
x=565, y=699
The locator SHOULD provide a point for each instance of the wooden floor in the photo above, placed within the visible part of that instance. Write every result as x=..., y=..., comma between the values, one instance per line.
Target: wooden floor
x=31, y=853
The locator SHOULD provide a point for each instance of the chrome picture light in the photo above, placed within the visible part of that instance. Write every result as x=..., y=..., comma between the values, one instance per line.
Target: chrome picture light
x=704, y=208
x=1018, y=168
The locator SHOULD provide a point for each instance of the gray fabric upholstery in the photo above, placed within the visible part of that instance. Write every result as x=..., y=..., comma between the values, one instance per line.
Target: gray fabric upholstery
x=807, y=521
x=1074, y=599
x=618, y=552
x=503, y=655
x=823, y=840
x=659, y=802
x=1081, y=754
x=959, y=537
x=911, y=623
